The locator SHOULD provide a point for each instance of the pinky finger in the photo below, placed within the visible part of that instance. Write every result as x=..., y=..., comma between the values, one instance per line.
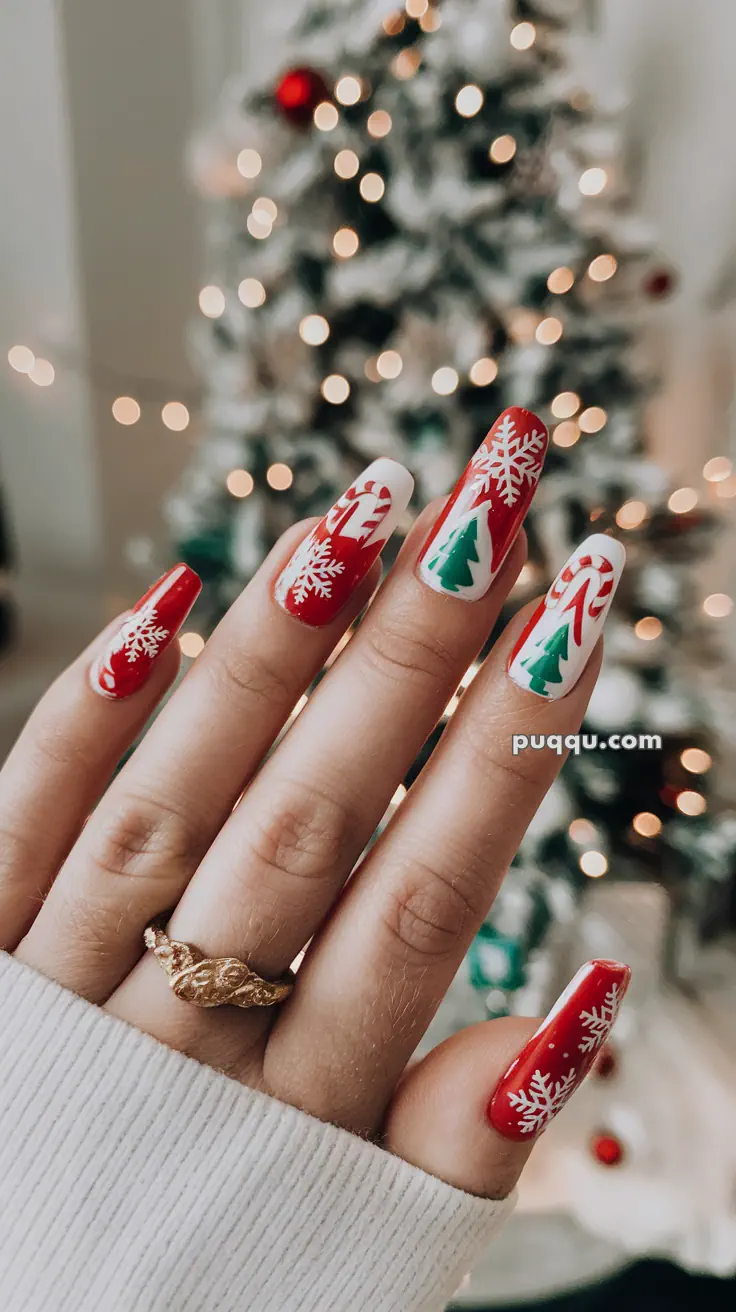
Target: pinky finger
x=471, y=1111
x=72, y=742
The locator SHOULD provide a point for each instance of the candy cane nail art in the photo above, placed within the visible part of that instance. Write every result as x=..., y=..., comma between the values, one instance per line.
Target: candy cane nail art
x=156, y=619
x=477, y=527
x=335, y=557
x=558, y=1057
x=553, y=649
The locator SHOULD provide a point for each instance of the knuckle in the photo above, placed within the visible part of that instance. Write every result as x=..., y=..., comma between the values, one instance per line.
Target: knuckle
x=145, y=838
x=396, y=648
x=305, y=833
x=487, y=749
x=427, y=914
x=250, y=676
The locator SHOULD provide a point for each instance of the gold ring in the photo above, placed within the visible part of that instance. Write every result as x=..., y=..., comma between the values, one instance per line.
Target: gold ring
x=213, y=981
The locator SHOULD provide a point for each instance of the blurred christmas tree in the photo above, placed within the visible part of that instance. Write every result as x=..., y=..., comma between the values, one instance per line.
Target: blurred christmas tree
x=420, y=223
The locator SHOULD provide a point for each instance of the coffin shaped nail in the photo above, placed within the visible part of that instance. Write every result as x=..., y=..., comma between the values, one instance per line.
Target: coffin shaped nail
x=557, y=1058
x=129, y=657
x=478, y=526
x=554, y=648
x=335, y=557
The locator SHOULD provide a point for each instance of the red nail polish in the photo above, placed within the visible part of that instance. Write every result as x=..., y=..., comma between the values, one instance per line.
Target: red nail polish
x=557, y=1058
x=156, y=619
x=477, y=527
x=335, y=557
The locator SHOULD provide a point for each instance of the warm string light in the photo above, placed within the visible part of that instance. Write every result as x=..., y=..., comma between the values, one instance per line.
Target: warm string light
x=212, y=302
x=42, y=373
x=683, y=500
x=582, y=831
x=175, y=416
x=431, y=20
x=445, y=380
x=416, y=8
x=325, y=116
x=593, y=181
x=335, y=388
x=469, y=101
x=695, y=760
x=249, y=163
x=371, y=187
x=126, y=410
x=560, y=280
x=379, y=123
x=191, y=644
x=718, y=605
x=648, y=629
x=252, y=293
x=602, y=268
x=566, y=434
x=647, y=824
x=717, y=470
x=389, y=364
x=523, y=36
x=239, y=483
x=593, y=864
x=483, y=372
x=502, y=149
x=631, y=514
x=565, y=405
x=549, y=331
x=406, y=64
x=348, y=89
x=345, y=243
x=727, y=488
x=346, y=164
x=394, y=23
x=691, y=803
x=523, y=324
x=593, y=419
x=314, y=329
x=279, y=476
x=21, y=358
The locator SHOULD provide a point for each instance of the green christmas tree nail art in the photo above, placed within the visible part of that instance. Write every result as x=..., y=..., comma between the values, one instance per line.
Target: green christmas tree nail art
x=554, y=648
x=545, y=667
x=453, y=560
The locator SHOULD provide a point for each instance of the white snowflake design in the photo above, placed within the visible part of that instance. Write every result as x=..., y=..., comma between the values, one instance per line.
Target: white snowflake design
x=311, y=569
x=140, y=635
x=511, y=460
x=599, y=1022
x=542, y=1100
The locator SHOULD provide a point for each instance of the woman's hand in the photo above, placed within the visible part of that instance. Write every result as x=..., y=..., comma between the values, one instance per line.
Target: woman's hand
x=251, y=849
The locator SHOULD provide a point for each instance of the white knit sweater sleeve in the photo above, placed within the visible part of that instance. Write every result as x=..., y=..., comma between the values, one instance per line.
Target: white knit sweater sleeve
x=133, y=1179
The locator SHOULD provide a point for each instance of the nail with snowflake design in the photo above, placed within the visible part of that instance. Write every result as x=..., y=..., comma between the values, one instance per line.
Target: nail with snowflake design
x=130, y=655
x=553, y=650
x=478, y=526
x=335, y=557
x=557, y=1058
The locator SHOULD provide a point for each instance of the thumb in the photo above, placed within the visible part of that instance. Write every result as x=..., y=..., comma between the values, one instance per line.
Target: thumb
x=470, y=1112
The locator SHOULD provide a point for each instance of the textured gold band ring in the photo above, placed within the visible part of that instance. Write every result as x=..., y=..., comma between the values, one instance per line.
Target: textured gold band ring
x=213, y=981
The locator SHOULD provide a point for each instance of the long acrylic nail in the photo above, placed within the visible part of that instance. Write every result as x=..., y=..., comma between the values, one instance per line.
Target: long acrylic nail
x=335, y=557
x=553, y=649
x=558, y=1057
x=477, y=527
x=127, y=661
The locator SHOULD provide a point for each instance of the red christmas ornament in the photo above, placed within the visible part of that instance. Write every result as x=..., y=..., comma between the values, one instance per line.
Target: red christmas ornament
x=298, y=94
x=659, y=283
x=607, y=1063
x=607, y=1149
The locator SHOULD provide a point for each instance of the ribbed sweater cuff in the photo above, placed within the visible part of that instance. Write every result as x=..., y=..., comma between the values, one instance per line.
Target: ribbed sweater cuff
x=136, y=1180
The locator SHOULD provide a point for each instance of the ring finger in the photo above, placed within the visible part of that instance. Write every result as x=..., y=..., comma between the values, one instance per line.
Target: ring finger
x=149, y=833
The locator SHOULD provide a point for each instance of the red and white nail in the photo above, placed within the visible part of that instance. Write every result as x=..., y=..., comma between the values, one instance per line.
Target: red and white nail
x=553, y=649
x=479, y=524
x=335, y=557
x=557, y=1058
x=129, y=657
